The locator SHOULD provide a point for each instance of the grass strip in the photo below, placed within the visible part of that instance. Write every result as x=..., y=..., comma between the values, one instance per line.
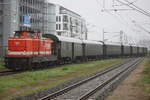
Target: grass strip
x=28, y=82
x=146, y=77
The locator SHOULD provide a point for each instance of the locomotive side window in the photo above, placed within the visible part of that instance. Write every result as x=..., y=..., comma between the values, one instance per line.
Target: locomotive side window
x=18, y=34
x=25, y=34
x=30, y=34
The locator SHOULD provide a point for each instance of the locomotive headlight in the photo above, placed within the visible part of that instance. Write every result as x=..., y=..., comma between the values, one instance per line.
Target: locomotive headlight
x=24, y=52
x=17, y=43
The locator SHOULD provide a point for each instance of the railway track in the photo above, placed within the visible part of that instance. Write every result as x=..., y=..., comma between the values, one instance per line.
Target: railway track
x=87, y=88
x=8, y=72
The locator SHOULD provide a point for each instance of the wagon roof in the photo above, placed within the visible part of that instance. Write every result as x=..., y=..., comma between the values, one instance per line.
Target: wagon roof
x=91, y=42
x=62, y=38
x=110, y=43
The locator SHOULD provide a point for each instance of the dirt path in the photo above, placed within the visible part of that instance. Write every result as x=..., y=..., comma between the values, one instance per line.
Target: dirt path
x=129, y=88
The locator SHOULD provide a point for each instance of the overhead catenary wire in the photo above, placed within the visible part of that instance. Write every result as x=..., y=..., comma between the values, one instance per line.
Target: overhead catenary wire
x=120, y=19
x=138, y=10
x=137, y=7
x=123, y=4
x=137, y=25
x=115, y=16
x=142, y=28
x=107, y=11
x=143, y=12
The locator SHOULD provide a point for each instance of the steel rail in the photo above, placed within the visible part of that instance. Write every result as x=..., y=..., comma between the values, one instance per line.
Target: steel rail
x=8, y=72
x=93, y=91
x=62, y=91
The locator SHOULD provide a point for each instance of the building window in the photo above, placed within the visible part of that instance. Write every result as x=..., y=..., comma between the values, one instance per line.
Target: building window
x=77, y=30
x=65, y=18
x=21, y=19
x=56, y=18
x=59, y=33
x=56, y=26
x=59, y=27
x=32, y=20
x=21, y=9
x=65, y=26
x=76, y=21
x=59, y=18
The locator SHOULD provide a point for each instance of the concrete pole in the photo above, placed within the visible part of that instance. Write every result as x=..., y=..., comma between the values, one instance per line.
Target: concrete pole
x=103, y=35
x=121, y=37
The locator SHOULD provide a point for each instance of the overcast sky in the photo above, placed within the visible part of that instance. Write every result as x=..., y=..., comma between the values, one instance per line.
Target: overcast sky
x=111, y=21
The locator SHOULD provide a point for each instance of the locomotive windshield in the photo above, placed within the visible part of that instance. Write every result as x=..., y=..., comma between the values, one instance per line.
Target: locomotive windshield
x=26, y=34
x=30, y=34
x=18, y=34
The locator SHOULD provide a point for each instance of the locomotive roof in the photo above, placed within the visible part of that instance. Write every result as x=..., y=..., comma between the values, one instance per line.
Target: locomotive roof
x=62, y=38
x=68, y=39
x=127, y=45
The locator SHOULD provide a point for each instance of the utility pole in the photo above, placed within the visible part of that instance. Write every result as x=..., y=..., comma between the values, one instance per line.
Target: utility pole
x=86, y=34
x=103, y=35
x=121, y=37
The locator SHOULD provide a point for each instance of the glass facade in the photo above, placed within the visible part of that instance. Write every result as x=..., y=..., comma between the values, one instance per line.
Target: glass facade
x=12, y=18
x=34, y=9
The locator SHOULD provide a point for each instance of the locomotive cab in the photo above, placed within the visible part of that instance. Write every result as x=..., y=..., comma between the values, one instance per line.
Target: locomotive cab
x=26, y=34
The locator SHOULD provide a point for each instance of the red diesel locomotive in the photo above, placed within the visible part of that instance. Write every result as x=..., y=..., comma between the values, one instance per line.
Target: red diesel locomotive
x=26, y=47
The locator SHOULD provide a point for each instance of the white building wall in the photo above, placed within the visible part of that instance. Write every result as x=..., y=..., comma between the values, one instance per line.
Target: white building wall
x=75, y=23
